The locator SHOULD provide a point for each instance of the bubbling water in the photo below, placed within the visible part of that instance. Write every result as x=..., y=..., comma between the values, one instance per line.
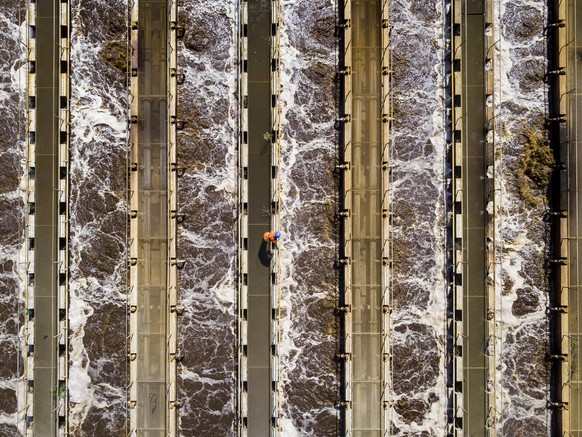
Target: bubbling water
x=522, y=236
x=308, y=209
x=418, y=322
x=12, y=267
x=98, y=211
x=207, y=102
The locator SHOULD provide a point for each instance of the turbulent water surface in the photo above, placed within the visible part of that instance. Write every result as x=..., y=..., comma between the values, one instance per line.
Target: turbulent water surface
x=522, y=235
x=308, y=210
x=98, y=216
x=207, y=197
x=12, y=113
x=418, y=321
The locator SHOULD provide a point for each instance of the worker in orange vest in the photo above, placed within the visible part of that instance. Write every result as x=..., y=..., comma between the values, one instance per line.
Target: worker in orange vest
x=272, y=237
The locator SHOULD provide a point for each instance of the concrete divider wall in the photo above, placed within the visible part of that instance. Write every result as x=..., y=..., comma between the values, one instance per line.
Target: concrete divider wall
x=564, y=91
x=562, y=27
x=64, y=48
x=25, y=420
x=172, y=261
x=457, y=202
x=133, y=198
x=243, y=221
x=492, y=187
x=277, y=385
x=387, y=192
x=346, y=343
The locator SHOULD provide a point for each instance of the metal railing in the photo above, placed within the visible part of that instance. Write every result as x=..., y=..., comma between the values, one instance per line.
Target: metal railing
x=133, y=230
x=457, y=190
x=63, y=228
x=243, y=219
x=387, y=225
x=27, y=415
x=172, y=352
x=276, y=385
x=347, y=206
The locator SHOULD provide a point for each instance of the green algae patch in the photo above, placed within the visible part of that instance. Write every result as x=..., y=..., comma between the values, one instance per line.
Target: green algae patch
x=535, y=168
x=114, y=54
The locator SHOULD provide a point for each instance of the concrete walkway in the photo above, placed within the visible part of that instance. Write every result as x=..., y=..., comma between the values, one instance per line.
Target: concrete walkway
x=46, y=220
x=474, y=224
x=152, y=216
x=366, y=219
x=259, y=179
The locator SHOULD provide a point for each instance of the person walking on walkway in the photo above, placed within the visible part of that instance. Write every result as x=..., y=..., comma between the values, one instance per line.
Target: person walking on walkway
x=272, y=236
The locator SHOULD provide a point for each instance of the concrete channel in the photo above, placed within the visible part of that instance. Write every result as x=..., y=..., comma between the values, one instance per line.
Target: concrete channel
x=152, y=260
x=48, y=92
x=472, y=156
x=366, y=204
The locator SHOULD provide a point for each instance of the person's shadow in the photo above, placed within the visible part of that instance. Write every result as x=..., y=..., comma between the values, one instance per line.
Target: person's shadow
x=264, y=254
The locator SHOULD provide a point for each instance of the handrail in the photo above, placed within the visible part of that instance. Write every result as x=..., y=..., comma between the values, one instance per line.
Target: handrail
x=133, y=231
x=63, y=300
x=242, y=255
x=347, y=349
x=275, y=218
x=387, y=202
x=28, y=340
x=172, y=250
x=457, y=221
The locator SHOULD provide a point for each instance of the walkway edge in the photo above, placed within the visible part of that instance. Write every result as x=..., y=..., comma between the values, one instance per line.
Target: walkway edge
x=243, y=222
